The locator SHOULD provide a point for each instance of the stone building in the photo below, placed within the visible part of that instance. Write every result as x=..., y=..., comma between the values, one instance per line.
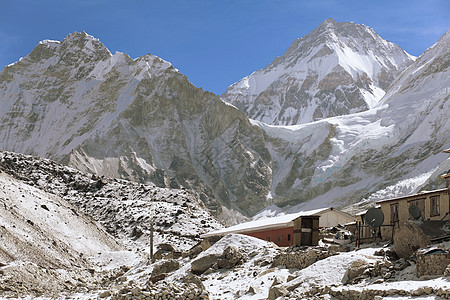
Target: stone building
x=433, y=206
x=430, y=207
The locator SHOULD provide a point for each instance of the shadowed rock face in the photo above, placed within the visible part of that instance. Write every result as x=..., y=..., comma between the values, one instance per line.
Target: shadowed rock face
x=337, y=69
x=136, y=119
x=196, y=140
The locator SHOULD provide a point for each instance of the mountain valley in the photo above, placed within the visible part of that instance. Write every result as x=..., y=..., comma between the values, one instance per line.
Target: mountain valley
x=75, y=102
x=99, y=152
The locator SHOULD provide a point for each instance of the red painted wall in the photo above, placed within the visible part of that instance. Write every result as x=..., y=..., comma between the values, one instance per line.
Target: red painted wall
x=274, y=234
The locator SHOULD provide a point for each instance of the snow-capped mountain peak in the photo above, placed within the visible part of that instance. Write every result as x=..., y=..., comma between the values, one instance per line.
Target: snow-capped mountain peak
x=75, y=102
x=337, y=69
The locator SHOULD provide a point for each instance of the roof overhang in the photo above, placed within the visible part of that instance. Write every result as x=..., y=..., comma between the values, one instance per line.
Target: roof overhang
x=412, y=196
x=268, y=223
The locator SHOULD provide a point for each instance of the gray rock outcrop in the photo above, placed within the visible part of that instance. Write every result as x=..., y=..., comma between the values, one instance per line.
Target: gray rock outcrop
x=199, y=266
x=408, y=238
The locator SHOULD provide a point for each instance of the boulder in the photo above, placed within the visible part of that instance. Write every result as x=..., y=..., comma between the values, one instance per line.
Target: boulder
x=202, y=264
x=105, y=294
x=408, y=238
x=230, y=257
x=277, y=291
x=355, y=270
x=195, y=280
x=194, y=251
x=165, y=267
x=166, y=247
x=447, y=271
x=156, y=278
x=224, y=264
x=158, y=254
x=232, y=254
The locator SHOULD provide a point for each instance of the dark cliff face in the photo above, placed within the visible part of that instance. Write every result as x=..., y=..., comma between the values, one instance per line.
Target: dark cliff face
x=137, y=119
x=194, y=140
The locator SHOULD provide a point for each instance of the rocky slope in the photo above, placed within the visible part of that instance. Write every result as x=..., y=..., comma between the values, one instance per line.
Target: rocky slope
x=337, y=69
x=123, y=208
x=43, y=228
x=139, y=119
x=52, y=248
x=64, y=231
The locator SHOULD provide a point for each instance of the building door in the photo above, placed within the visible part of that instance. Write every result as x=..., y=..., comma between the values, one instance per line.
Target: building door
x=307, y=225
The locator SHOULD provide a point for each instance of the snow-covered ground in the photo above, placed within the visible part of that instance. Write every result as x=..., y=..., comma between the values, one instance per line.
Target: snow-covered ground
x=52, y=216
x=255, y=277
x=52, y=227
x=54, y=245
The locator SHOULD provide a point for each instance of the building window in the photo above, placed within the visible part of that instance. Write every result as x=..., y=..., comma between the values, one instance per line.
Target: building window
x=289, y=237
x=280, y=238
x=434, y=204
x=420, y=203
x=268, y=238
x=394, y=212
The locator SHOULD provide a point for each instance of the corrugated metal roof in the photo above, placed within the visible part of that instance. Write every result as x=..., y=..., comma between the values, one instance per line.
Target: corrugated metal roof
x=269, y=223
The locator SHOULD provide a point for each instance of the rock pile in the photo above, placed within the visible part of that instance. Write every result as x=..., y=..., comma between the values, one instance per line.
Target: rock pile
x=229, y=258
x=161, y=270
x=408, y=238
x=27, y=278
x=356, y=294
x=122, y=207
x=160, y=291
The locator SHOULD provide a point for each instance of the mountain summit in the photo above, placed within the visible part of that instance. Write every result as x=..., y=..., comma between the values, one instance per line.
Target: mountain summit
x=337, y=69
x=139, y=119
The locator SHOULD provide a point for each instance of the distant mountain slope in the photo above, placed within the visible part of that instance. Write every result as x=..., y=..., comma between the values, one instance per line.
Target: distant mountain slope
x=142, y=120
x=344, y=159
x=337, y=69
x=137, y=119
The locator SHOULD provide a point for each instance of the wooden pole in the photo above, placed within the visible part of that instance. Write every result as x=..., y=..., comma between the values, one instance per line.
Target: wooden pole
x=152, y=258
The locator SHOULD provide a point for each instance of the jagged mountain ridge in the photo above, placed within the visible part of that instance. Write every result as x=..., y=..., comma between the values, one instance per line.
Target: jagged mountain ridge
x=337, y=69
x=74, y=101
x=348, y=158
x=155, y=126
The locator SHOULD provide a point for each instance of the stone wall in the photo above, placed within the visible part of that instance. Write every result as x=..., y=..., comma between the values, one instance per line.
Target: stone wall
x=350, y=293
x=168, y=291
x=432, y=263
x=302, y=258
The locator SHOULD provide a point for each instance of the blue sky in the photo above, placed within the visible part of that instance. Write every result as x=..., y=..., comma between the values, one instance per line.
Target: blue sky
x=213, y=42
